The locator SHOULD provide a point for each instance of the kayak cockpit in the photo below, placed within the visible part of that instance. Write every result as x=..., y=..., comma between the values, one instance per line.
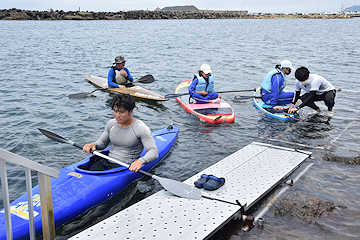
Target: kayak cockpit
x=96, y=165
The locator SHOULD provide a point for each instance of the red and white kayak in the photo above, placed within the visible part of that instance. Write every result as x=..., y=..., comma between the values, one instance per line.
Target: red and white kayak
x=213, y=113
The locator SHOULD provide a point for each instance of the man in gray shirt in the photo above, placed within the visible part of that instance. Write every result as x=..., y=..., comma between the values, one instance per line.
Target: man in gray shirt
x=129, y=136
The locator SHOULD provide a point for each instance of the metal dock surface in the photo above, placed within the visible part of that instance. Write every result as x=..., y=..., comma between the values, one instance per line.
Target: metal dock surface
x=250, y=174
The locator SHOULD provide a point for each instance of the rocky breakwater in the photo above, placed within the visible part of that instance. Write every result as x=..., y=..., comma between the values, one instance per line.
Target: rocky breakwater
x=17, y=14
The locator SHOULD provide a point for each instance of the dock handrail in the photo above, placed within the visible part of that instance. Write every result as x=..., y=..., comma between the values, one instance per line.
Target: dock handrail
x=44, y=174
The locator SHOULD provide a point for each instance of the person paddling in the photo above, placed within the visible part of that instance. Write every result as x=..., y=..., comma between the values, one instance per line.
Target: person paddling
x=202, y=87
x=128, y=135
x=119, y=75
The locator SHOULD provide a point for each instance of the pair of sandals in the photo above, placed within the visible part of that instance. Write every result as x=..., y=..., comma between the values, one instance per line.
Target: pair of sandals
x=209, y=182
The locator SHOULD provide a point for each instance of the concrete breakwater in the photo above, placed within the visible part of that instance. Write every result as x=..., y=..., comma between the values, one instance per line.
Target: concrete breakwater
x=18, y=14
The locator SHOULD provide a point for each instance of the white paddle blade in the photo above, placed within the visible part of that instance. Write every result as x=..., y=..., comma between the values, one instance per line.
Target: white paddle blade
x=178, y=188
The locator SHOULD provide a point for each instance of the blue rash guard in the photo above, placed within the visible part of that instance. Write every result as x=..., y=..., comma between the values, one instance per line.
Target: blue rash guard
x=111, y=77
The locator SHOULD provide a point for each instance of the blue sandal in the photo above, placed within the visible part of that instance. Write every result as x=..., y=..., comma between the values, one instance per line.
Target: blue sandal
x=214, y=183
x=203, y=179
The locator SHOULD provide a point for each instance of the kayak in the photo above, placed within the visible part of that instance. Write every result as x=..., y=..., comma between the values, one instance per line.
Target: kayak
x=134, y=90
x=78, y=190
x=213, y=113
x=265, y=108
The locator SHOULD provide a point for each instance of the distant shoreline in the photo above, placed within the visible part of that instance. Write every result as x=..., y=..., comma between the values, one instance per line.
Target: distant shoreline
x=18, y=14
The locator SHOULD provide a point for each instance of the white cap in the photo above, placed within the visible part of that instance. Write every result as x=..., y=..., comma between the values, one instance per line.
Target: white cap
x=205, y=68
x=286, y=64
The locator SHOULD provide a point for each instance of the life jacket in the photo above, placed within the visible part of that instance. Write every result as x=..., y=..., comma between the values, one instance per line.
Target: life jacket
x=203, y=85
x=118, y=78
x=266, y=84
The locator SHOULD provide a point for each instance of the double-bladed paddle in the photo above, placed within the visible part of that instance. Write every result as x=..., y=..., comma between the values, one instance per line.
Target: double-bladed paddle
x=145, y=79
x=243, y=98
x=175, y=187
x=175, y=95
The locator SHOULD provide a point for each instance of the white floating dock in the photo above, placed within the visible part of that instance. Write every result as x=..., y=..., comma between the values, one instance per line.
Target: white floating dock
x=250, y=174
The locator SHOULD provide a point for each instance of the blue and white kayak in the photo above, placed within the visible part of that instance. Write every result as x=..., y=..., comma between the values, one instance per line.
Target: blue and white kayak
x=78, y=190
x=268, y=110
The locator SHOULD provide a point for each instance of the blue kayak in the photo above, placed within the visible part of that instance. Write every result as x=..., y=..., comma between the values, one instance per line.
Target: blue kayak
x=267, y=109
x=78, y=190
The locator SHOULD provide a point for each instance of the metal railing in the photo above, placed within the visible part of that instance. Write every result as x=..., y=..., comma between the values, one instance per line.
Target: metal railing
x=44, y=174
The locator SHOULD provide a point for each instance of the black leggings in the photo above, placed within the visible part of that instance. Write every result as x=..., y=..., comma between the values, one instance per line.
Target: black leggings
x=327, y=97
x=97, y=163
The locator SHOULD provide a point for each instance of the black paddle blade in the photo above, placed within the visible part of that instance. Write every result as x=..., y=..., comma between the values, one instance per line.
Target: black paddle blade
x=83, y=94
x=217, y=118
x=242, y=98
x=146, y=79
x=78, y=95
x=58, y=138
x=54, y=136
x=175, y=95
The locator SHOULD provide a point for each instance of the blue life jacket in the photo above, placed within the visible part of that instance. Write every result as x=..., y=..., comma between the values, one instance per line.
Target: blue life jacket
x=266, y=84
x=203, y=85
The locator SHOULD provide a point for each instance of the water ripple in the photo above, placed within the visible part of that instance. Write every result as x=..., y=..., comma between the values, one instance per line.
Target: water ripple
x=42, y=62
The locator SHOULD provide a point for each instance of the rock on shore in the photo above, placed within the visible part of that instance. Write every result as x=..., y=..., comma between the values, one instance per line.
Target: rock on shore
x=18, y=14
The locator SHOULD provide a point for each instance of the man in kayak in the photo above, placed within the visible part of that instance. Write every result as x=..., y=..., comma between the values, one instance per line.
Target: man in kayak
x=128, y=136
x=119, y=75
x=273, y=85
x=317, y=88
x=202, y=86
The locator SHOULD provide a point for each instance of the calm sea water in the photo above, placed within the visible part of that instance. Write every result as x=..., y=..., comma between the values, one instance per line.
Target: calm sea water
x=42, y=62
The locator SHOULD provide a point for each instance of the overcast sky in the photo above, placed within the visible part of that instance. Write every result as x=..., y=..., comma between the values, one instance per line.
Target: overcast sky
x=253, y=6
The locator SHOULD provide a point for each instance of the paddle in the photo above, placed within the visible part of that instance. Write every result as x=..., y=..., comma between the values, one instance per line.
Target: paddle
x=242, y=98
x=145, y=79
x=217, y=118
x=177, y=188
x=175, y=95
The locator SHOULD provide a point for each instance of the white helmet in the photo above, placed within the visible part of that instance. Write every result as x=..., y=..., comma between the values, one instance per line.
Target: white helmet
x=205, y=68
x=286, y=64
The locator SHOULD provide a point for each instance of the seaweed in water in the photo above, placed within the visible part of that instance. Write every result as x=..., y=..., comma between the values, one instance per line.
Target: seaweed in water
x=304, y=206
x=347, y=160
